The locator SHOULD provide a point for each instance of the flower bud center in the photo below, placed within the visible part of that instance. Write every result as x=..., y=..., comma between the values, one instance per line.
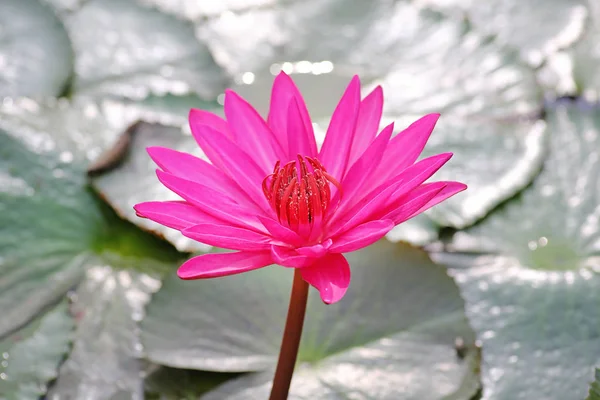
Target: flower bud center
x=299, y=192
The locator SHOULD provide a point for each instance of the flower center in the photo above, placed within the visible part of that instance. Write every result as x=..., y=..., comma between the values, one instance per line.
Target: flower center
x=299, y=192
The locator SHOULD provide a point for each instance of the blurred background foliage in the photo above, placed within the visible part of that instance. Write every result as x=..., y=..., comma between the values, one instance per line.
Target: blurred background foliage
x=492, y=295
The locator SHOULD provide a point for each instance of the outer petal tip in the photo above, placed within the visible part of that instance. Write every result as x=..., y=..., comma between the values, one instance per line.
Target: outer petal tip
x=138, y=210
x=194, y=113
x=378, y=91
x=330, y=275
x=282, y=75
x=446, y=156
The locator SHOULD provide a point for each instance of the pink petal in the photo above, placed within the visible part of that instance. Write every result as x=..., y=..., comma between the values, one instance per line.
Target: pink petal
x=251, y=132
x=449, y=190
x=203, y=123
x=209, y=201
x=363, y=169
x=330, y=275
x=361, y=236
x=367, y=124
x=238, y=165
x=174, y=214
x=280, y=232
x=284, y=90
x=300, y=140
x=405, y=147
x=335, y=152
x=288, y=257
x=228, y=237
x=317, y=250
x=222, y=264
x=384, y=197
x=204, y=118
x=408, y=205
x=192, y=168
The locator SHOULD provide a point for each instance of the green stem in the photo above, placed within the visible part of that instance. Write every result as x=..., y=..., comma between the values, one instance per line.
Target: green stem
x=291, y=339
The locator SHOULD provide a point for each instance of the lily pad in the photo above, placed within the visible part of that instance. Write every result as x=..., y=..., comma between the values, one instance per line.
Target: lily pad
x=399, y=320
x=105, y=361
x=496, y=161
x=140, y=52
x=35, y=53
x=450, y=70
x=425, y=60
x=53, y=227
x=595, y=387
x=31, y=356
x=537, y=28
x=529, y=272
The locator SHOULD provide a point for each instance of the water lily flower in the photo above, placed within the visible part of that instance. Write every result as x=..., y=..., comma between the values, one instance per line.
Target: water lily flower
x=274, y=197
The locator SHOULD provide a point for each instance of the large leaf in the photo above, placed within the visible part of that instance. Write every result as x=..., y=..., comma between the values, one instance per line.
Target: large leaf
x=141, y=52
x=55, y=231
x=447, y=69
x=52, y=226
x=105, y=362
x=427, y=62
x=35, y=53
x=398, y=322
x=538, y=28
x=495, y=160
x=528, y=272
x=31, y=356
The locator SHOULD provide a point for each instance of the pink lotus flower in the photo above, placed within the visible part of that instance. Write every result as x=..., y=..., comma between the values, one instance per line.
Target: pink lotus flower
x=270, y=194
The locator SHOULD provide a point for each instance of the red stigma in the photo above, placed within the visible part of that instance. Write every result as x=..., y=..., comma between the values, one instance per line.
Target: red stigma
x=299, y=193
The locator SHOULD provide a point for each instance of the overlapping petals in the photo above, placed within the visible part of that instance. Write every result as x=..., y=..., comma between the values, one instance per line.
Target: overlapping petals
x=272, y=197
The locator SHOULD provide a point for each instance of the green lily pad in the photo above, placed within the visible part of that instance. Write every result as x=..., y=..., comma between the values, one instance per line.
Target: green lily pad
x=105, y=362
x=315, y=30
x=461, y=73
x=141, y=52
x=495, y=160
x=595, y=387
x=537, y=28
x=528, y=272
x=53, y=226
x=35, y=53
x=30, y=357
x=400, y=318
x=426, y=61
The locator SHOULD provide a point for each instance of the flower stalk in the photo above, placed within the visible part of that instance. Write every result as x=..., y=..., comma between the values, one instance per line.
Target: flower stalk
x=291, y=338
